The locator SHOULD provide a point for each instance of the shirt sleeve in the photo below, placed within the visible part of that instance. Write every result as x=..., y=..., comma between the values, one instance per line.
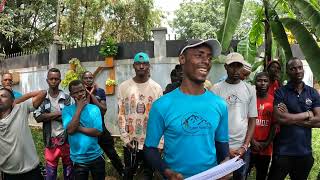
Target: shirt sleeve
x=66, y=117
x=278, y=97
x=124, y=136
x=316, y=99
x=215, y=89
x=29, y=104
x=68, y=100
x=160, y=93
x=252, y=108
x=101, y=93
x=17, y=95
x=97, y=121
x=155, y=127
x=222, y=134
x=39, y=111
x=272, y=120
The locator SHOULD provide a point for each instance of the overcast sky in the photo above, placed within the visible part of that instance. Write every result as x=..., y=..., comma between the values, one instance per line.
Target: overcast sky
x=168, y=7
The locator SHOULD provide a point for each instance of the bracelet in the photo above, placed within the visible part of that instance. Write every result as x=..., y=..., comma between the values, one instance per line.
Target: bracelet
x=245, y=147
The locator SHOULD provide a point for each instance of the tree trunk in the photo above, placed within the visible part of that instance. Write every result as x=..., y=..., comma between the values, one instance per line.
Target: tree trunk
x=84, y=22
x=56, y=31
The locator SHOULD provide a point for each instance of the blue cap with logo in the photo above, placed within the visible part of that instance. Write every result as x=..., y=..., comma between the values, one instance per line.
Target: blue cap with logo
x=141, y=57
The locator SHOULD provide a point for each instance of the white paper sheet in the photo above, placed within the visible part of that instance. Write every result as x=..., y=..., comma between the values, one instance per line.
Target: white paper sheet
x=220, y=170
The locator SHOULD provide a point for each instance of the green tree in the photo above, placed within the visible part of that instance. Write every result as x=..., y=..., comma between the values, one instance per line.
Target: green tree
x=203, y=19
x=198, y=19
x=131, y=20
x=247, y=19
x=81, y=20
x=31, y=24
x=303, y=24
x=26, y=25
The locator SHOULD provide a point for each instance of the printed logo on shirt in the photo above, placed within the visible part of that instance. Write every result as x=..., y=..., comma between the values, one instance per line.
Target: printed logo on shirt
x=261, y=122
x=141, y=108
x=233, y=99
x=308, y=102
x=194, y=124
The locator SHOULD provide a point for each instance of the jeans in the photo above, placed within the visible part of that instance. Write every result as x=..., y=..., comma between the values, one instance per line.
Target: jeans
x=132, y=161
x=241, y=173
x=261, y=163
x=107, y=144
x=95, y=167
x=298, y=167
x=34, y=174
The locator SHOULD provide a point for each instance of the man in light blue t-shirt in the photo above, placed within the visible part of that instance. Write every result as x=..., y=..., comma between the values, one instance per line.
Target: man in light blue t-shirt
x=193, y=121
x=83, y=124
x=7, y=82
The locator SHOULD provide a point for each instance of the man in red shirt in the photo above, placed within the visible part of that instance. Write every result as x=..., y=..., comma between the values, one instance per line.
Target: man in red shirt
x=274, y=71
x=261, y=143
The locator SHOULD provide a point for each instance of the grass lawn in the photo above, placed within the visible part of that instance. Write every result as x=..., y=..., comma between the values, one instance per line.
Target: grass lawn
x=111, y=172
x=38, y=140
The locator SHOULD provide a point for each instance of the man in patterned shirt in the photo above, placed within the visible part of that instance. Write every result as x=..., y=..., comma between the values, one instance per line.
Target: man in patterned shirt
x=135, y=98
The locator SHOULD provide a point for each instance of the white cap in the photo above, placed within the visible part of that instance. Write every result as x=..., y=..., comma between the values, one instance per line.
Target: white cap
x=235, y=57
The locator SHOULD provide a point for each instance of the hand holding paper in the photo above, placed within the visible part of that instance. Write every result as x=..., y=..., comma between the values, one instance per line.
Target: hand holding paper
x=220, y=170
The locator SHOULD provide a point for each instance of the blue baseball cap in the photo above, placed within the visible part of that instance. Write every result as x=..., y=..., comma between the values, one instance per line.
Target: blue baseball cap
x=141, y=57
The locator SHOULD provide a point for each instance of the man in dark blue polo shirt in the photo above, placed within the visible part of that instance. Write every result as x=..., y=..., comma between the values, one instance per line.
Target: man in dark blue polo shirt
x=297, y=110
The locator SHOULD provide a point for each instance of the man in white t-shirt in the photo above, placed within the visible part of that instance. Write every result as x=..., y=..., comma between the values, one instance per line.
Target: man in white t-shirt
x=242, y=111
x=18, y=155
x=135, y=98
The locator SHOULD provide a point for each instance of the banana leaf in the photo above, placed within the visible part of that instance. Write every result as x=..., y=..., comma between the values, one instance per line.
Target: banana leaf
x=248, y=50
x=315, y=4
x=280, y=36
x=256, y=65
x=274, y=49
x=307, y=44
x=283, y=62
x=257, y=31
x=309, y=13
x=233, y=10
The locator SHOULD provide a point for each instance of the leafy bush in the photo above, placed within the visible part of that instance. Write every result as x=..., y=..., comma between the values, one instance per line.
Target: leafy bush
x=109, y=48
x=73, y=74
x=111, y=82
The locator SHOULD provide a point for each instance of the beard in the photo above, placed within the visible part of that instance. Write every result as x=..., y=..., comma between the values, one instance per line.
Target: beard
x=5, y=107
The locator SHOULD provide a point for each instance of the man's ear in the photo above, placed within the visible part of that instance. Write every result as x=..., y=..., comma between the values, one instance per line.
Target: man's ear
x=182, y=59
x=225, y=66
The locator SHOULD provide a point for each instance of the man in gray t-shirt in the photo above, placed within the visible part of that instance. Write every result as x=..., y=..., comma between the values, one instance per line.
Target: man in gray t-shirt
x=242, y=110
x=19, y=159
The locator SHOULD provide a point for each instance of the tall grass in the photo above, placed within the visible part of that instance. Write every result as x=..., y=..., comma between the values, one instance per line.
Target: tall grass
x=111, y=172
